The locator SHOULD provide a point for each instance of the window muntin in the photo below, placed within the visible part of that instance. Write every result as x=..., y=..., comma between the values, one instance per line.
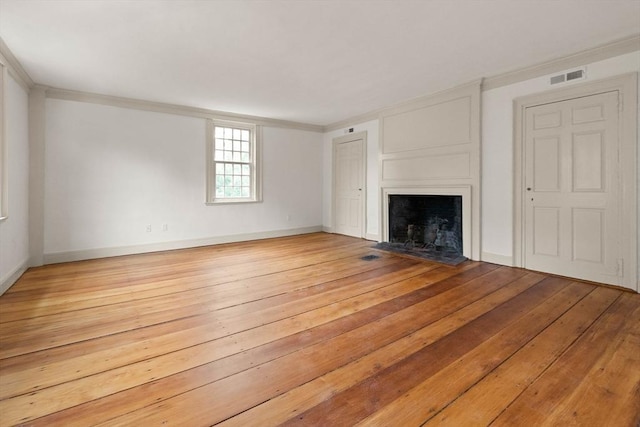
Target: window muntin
x=232, y=157
x=233, y=174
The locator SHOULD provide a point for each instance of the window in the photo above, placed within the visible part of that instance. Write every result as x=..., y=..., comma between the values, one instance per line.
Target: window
x=232, y=163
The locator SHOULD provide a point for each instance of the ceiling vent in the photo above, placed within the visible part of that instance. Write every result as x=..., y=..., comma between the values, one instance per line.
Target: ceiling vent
x=569, y=76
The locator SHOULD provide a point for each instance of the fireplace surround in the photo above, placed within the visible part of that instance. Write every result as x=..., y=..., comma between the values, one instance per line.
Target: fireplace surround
x=431, y=146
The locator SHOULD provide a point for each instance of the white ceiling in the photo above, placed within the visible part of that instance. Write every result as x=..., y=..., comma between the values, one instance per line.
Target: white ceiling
x=310, y=61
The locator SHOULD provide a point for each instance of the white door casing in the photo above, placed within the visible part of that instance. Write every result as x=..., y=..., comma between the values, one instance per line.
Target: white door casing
x=572, y=190
x=349, y=177
x=575, y=189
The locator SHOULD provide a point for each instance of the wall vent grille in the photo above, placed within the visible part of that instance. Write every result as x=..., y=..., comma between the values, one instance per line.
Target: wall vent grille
x=569, y=76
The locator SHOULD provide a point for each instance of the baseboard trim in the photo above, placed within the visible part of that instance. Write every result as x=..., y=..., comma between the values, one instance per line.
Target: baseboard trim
x=373, y=237
x=58, y=257
x=13, y=277
x=367, y=236
x=497, y=259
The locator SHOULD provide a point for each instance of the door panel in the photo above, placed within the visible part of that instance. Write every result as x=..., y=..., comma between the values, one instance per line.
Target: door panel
x=588, y=162
x=572, y=210
x=546, y=164
x=588, y=238
x=546, y=228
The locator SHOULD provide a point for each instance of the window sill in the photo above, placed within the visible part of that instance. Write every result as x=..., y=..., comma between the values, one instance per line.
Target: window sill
x=231, y=202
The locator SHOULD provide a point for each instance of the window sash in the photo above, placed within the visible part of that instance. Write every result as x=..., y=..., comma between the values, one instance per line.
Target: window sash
x=233, y=180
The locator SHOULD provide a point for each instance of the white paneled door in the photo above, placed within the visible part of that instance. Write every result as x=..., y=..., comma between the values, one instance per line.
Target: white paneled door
x=572, y=189
x=349, y=182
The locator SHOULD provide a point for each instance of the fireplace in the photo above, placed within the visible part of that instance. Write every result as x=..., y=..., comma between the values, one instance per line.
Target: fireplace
x=431, y=221
x=427, y=222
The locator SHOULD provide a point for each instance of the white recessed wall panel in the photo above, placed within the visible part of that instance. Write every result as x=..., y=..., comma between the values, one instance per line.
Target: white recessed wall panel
x=427, y=167
x=441, y=124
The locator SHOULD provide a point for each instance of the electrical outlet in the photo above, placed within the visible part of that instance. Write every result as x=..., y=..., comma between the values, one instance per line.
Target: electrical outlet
x=288, y=218
x=149, y=228
x=165, y=227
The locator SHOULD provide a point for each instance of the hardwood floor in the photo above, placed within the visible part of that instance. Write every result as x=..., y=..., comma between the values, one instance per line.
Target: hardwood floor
x=303, y=331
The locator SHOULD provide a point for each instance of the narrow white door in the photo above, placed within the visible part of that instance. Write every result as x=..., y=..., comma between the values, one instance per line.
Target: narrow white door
x=572, y=189
x=349, y=181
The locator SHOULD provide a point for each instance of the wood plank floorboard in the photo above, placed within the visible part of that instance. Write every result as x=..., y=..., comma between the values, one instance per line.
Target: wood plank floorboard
x=302, y=330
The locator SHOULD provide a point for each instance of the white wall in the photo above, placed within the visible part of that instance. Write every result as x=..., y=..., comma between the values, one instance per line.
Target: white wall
x=373, y=185
x=497, y=151
x=112, y=171
x=14, y=231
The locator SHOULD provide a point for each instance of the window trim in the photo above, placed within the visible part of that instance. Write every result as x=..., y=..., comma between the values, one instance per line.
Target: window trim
x=4, y=165
x=256, y=178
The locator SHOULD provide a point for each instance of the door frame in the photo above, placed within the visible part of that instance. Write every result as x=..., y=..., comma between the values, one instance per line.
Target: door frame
x=627, y=87
x=363, y=211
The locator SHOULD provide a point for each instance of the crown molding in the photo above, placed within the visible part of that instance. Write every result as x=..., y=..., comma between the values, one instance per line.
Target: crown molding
x=14, y=67
x=598, y=53
x=375, y=115
x=367, y=117
x=160, y=107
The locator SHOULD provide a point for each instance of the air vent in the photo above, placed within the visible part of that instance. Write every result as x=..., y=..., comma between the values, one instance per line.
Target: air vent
x=567, y=77
x=575, y=75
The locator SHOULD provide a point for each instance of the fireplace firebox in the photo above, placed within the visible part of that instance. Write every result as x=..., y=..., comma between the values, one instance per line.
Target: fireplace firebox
x=429, y=226
x=426, y=222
